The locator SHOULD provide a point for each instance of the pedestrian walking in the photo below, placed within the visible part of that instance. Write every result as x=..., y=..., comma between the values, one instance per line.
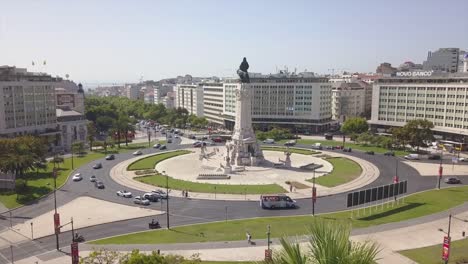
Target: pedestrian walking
x=249, y=237
x=183, y=193
x=186, y=193
x=290, y=188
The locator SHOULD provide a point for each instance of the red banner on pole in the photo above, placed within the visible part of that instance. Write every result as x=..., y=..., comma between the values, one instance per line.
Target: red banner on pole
x=57, y=223
x=314, y=194
x=268, y=253
x=441, y=169
x=446, y=248
x=396, y=179
x=75, y=253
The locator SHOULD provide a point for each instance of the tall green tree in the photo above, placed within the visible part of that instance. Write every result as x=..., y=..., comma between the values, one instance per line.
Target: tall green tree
x=92, y=133
x=419, y=132
x=329, y=243
x=355, y=125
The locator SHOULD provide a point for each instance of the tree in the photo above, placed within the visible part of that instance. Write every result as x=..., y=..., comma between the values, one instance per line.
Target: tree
x=92, y=133
x=328, y=243
x=418, y=132
x=355, y=125
x=78, y=147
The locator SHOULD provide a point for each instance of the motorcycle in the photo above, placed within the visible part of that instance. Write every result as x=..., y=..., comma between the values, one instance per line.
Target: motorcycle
x=78, y=238
x=154, y=225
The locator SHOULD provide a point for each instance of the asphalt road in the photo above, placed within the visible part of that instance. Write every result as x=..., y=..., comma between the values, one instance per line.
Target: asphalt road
x=185, y=211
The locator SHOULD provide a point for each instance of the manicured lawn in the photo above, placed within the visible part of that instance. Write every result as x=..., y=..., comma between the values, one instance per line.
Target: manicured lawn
x=350, y=145
x=416, y=205
x=292, y=150
x=159, y=180
x=344, y=170
x=433, y=254
x=151, y=161
x=43, y=183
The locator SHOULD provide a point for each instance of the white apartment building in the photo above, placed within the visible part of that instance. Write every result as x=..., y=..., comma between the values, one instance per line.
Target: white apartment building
x=213, y=102
x=190, y=97
x=161, y=92
x=133, y=91
x=169, y=100
x=438, y=97
x=27, y=103
x=286, y=100
x=348, y=100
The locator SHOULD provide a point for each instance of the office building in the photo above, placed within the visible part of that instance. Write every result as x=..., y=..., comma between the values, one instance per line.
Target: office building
x=295, y=101
x=190, y=97
x=133, y=91
x=385, y=69
x=27, y=103
x=161, y=91
x=445, y=59
x=348, y=100
x=441, y=98
x=213, y=102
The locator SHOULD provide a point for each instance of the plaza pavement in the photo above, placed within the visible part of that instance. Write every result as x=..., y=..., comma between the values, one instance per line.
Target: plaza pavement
x=432, y=169
x=392, y=237
x=369, y=173
x=86, y=211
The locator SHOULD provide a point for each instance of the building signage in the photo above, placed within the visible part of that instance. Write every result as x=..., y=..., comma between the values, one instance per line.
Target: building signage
x=57, y=223
x=446, y=248
x=75, y=253
x=414, y=74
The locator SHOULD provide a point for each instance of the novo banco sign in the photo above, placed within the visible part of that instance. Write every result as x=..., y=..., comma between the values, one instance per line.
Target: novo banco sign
x=414, y=74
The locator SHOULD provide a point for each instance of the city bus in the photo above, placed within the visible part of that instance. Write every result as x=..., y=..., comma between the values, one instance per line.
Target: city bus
x=451, y=146
x=272, y=201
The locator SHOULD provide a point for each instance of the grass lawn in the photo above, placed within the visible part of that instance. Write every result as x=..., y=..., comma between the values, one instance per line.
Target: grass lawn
x=416, y=205
x=292, y=150
x=433, y=254
x=160, y=180
x=43, y=183
x=344, y=170
x=350, y=145
x=151, y=161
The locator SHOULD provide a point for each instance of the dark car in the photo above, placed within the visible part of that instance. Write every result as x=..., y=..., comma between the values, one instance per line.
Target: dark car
x=163, y=147
x=99, y=185
x=152, y=197
x=97, y=166
x=169, y=141
x=389, y=153
x=434, y=157
x=452, y=180
x=330, y=147
x=370, y=152
x=110, y=157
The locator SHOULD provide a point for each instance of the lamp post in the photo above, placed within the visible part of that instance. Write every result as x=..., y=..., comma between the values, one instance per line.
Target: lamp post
x=72, y=154
x=167, y=199
x=441, y=169
x=57, y=228
x=268, y=237
x=446, y=257
x=314, y=194
x=149, y=137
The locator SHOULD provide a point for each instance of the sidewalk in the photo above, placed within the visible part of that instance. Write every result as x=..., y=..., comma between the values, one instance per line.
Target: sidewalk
x=369, y=173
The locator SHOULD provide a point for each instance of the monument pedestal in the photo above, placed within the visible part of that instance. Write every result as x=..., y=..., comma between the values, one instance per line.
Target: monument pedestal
x=244, y=148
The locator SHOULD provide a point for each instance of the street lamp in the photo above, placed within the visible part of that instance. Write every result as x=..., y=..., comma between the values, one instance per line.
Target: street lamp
x=167, y=198
x=268, y=237
x=149, y=136
x=448, y=231
x=314, y=194
x=441, y=169
x=56, y=215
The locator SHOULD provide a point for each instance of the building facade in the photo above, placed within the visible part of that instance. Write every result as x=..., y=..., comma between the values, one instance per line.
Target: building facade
x=438, y=97
x=27, y=103
x=348, y=100
x=190, y=97
x=132, y=91
x=445, y=59
x=213, y=102
x=73, y=127
x=70, y=95
x=285, y=100
x=161, y=92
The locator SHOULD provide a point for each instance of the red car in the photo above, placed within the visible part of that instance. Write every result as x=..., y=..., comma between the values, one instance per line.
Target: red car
x=339, y=147
x=217, y=139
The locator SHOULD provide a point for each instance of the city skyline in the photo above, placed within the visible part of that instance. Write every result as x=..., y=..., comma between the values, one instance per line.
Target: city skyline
x=115, y=41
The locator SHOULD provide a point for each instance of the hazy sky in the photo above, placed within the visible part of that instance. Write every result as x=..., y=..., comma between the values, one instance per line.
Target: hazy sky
x=120, y=41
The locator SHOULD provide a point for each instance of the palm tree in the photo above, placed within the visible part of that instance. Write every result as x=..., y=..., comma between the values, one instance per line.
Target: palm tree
x=328, y=244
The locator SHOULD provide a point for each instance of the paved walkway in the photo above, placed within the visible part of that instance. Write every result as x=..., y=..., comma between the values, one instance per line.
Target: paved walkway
x=369, y=173
x=432, y=169
x=3, y=208
x=392, y=237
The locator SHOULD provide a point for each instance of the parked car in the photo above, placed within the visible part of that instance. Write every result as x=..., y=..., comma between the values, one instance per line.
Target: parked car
x=161, y=193
x=389, y=153
x=269, y=141
x=97, y=166
x=370, y=152
x=290, y=143
x=434, y=157
x=156, y=146
x=110, y=157
x=92, y=178
x=77, y=177
x=412, y=156
x=152, y=197
x=163, y=147
x=138, y=152
x=99, y=184
x=452, y=180
x=141, y=200
x=347, y=149
x=124, y=193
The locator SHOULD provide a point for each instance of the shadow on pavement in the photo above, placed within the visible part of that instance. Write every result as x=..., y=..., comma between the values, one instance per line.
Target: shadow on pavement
x=391, y=212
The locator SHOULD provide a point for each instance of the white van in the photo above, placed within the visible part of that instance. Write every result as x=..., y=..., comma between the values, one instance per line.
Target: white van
x=272, y=201
x=412, y=156
x=269, y=141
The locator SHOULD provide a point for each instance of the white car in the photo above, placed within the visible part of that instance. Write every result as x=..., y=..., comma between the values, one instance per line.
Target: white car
x=124, y=193
x=77, y=177
x=141, y=200
x=269, y=141
x=412, y=157
x=138, y=152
